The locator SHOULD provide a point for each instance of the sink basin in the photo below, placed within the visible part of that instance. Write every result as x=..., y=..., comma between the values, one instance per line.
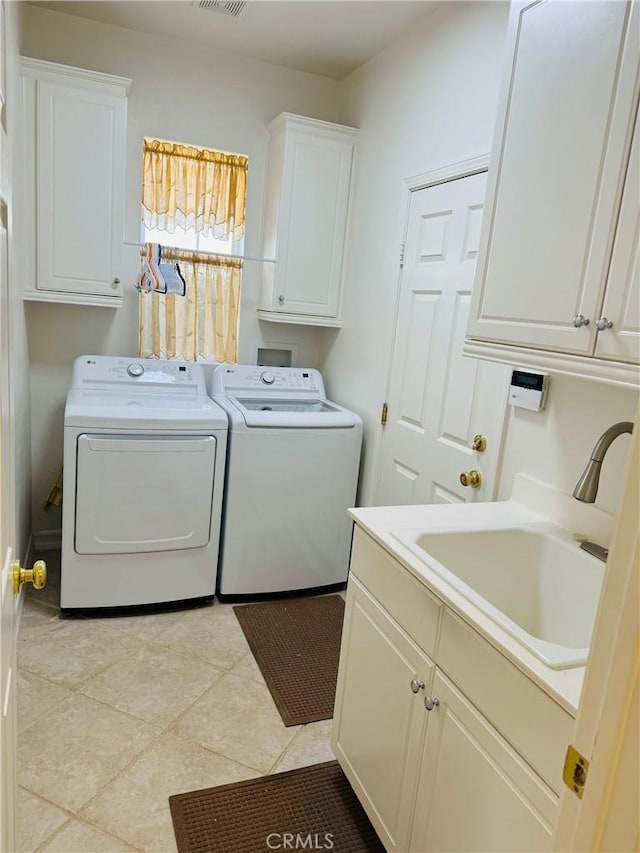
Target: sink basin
x=535, y=582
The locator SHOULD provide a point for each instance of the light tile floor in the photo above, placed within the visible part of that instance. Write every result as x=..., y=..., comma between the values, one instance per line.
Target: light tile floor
x=118, y=713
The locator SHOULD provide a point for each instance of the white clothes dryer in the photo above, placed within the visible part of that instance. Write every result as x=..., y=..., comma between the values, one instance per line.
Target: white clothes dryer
x=144, y=459
x=292, y=473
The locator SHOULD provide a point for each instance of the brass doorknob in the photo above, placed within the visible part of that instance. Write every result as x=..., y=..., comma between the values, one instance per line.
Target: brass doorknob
x=471, y=478
x=479, y=443
x=37, y=575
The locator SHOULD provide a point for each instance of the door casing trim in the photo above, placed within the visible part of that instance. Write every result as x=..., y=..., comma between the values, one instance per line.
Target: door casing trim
x=438, y=175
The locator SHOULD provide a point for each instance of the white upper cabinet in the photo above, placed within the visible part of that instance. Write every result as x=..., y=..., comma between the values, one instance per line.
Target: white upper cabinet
x=74, y=125
x=307, y=197
x=621, y=305
x=546, y=273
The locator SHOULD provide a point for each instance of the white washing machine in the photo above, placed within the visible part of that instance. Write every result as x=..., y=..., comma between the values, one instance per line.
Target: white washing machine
x=292, y=472
x=144, y=459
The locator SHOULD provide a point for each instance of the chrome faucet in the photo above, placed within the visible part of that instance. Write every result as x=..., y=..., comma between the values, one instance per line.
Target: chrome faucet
x=587, y=486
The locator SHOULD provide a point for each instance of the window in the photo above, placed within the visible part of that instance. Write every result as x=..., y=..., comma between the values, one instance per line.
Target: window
x=193, y=205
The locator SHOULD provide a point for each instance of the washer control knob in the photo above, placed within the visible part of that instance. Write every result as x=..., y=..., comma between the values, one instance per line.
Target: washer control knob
x=135, y=370
x=267, y=377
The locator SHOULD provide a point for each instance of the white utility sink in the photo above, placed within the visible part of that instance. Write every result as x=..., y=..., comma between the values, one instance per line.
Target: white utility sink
x=534, y=581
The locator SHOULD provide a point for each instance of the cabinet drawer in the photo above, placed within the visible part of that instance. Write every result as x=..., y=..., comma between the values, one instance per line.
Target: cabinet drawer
x=536, y=726
x=403, y=597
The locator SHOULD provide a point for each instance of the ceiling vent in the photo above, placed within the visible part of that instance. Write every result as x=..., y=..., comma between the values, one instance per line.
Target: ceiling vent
x=225, y=7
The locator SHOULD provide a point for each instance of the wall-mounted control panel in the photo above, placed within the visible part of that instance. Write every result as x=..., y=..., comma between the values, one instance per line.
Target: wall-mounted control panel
x=528, y=390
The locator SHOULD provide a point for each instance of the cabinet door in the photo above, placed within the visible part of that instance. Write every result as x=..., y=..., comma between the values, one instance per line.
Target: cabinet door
x=622, y=300
x=559, y=155
x=313, y=217
x=379, y=720
x=80, y=169
x=475, y=792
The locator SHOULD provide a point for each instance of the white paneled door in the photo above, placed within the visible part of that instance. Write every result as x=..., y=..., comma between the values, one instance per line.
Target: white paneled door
x=8, y=622
x=8, y=627
x=439, y=400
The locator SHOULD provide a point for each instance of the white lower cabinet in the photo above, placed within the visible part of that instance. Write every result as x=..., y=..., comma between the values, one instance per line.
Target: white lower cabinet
x=475, y=792
x=434, y=770
x=378, y=732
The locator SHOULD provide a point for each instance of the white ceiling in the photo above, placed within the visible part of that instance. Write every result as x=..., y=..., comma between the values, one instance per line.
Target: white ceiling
x=327, y=37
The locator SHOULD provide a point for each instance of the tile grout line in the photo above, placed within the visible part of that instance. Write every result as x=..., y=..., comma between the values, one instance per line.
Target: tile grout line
x=169, y=729
x=132, y=760
x=172, y=729
x=119, y=658
x=161, y=729
x=48, y=838
x=97, y=828
x=71, y=816
x=285, y=750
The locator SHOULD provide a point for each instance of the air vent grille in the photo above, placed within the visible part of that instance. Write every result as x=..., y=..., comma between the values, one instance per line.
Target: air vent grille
x=225, y=7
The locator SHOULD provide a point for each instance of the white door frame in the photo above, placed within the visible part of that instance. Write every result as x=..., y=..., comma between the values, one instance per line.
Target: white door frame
x=432, y=177
x=606, y=731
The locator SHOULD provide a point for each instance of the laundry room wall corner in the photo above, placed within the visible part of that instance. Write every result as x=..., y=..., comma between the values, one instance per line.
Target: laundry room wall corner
x=230, y=102
x=428, y=100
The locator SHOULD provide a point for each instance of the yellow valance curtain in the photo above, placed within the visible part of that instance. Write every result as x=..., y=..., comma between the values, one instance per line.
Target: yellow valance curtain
x=194, y=189
x=189, y=187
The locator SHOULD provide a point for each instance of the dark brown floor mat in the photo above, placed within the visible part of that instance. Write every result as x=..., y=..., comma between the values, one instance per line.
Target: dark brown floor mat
x=313, y=808
x=296, y=643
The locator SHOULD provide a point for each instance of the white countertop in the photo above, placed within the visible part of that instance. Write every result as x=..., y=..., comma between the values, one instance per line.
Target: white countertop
x=531, y=502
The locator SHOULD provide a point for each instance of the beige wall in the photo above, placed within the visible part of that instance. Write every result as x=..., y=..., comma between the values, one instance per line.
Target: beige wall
x=427, y=100
x=554, y=445
x=181, y=92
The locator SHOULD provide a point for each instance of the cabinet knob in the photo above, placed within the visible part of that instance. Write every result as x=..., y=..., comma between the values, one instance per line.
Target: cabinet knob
x=603, y=324
x=431, y=702
x=416, y=685
x=580, y=320
x=281, y=299
x=115, y=283
x=471, y=478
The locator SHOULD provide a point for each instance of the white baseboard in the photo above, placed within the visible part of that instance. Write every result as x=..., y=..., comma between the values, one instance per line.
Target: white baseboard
x=47, y=540
x=27, y=560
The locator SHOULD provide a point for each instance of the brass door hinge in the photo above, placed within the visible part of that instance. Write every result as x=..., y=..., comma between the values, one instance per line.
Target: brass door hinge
x=576, y=769
x=383, y=415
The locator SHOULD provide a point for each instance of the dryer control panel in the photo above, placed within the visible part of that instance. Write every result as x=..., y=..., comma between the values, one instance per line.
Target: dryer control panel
x=234, y=379
x=120, y=373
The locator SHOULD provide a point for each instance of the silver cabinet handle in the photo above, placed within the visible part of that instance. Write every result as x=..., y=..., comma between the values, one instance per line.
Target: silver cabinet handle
x=430, y=703
x=416, y=685
x=281, y=299
x=603, y=324
x=580, y=320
